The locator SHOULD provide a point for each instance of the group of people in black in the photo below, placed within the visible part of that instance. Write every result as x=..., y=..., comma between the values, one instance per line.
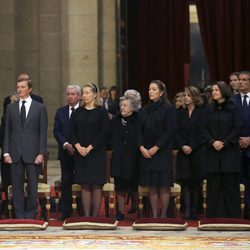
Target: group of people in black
x=206, y=131
x=213, y=143
x=210, y=135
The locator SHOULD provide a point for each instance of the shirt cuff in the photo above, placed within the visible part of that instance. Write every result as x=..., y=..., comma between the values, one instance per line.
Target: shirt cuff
x=64, y=145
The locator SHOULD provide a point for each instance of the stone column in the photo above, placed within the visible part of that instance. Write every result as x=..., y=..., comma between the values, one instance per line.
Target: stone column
x=108, y=43
x=89, y=41
x=49, y=61
x=7, y=49
x=26, y=40
x=79, y=41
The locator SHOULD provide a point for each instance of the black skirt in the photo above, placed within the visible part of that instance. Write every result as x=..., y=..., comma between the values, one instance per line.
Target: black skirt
x=90, y=170
x=156, y=179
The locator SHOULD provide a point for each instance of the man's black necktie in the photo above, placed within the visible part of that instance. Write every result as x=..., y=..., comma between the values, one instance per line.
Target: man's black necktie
x=23, y=113
x=245, y=106
x=72, y=111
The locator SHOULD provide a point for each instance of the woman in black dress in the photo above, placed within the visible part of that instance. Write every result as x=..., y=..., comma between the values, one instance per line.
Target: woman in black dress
x=221, y=131
x=156, y=131
x=190, y=155
x=124, y=162
x=90, y=127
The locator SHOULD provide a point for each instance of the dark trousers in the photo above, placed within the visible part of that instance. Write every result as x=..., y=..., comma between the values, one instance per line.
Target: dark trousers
x=67, y=172
x=223, y=195
x=245, y=177
x=22, y=210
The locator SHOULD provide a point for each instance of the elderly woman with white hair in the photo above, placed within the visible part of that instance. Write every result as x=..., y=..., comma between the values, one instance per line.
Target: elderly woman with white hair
x=125, y=154
x=134, y=94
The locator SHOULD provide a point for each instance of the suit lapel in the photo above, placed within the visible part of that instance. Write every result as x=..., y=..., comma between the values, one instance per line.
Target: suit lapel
x=17, y=114
x=66, y=113
x=32, y=111
x=238, y=100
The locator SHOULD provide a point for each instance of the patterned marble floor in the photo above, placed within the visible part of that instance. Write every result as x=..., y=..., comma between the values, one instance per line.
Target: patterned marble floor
x=123, y=238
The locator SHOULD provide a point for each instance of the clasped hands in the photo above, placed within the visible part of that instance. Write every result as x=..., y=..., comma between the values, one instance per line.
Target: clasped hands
x=83, y=151
x=244, y=142
x=218, y=145
x=148, y=153
x=187, y=150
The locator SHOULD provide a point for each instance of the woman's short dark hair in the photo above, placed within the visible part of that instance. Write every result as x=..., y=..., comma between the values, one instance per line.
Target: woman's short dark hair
x=224, y=89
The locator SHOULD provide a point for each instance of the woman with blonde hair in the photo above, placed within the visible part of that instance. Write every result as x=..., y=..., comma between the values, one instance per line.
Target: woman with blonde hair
x=90, y=127
x=178, y=100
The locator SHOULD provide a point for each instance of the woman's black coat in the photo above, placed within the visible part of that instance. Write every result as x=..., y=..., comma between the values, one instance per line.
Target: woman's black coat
x=157, y=128
x=189, y=133
x=222, y=122
x=124, y=162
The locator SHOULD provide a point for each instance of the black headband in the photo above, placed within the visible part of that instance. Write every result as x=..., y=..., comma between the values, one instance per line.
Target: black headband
x=95, y=87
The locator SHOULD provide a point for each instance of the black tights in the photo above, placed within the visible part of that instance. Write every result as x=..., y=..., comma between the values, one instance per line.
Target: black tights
x=191, y=195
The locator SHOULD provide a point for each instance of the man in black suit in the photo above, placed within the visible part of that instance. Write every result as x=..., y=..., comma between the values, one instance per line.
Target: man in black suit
x=25, y=144
x=243, y=101
x=5, y=168
x=65, y=148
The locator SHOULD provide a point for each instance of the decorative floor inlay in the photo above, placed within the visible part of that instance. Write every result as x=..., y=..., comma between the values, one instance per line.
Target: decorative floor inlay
x=91, y=241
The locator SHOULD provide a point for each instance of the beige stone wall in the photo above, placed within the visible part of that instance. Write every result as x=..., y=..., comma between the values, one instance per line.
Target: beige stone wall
x=7, y=47
x=108, y=37
x=57, y=42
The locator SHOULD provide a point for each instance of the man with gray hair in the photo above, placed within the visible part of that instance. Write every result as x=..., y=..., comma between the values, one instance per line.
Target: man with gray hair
x=65, y=148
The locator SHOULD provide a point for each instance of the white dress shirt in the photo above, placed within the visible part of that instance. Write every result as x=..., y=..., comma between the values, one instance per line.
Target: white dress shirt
x=242, y=98
x=75, y=107
x=26, y=104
